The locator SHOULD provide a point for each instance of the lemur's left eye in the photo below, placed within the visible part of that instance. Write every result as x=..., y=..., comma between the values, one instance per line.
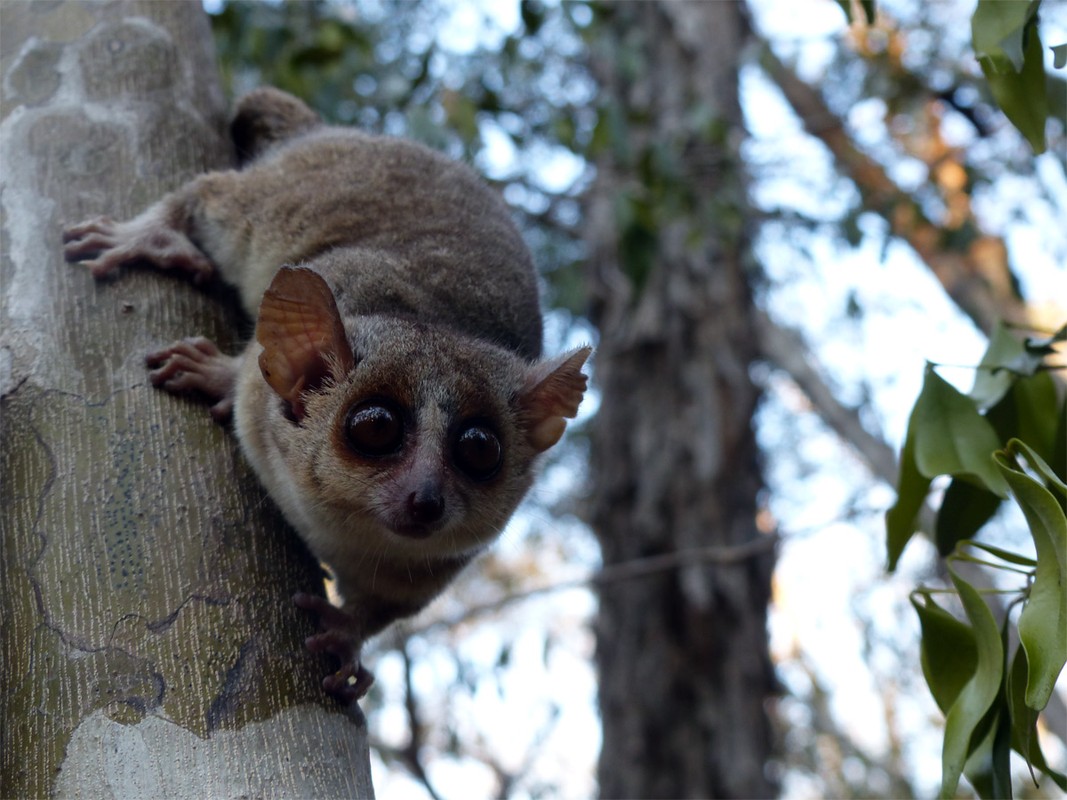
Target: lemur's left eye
x=477, y=452
x=374, y=429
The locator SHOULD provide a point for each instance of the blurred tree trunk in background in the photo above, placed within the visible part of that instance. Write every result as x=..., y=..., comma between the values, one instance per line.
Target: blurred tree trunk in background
x=148, y=646
x=685, y=674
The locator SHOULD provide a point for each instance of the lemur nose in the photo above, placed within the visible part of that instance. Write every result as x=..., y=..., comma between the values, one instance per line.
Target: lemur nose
x=426, y=505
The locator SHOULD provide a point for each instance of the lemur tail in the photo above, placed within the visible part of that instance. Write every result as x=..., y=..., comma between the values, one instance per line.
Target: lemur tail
x=266, y=116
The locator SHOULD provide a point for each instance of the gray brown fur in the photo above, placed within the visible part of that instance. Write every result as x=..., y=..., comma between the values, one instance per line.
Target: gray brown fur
x=381, y=274
x=430, y=239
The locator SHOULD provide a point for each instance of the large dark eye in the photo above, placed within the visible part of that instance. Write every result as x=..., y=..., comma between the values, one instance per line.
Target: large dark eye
x=374, y=429
x=478, y=453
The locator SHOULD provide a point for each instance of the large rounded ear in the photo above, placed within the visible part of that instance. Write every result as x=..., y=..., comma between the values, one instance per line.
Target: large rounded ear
x=302, y=335
x=552, y=390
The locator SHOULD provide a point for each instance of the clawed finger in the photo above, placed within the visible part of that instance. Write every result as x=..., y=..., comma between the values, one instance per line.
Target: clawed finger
x=173, y=367
x=88, y=246
x=191, y=351
x=348, y=684
x=81, y=229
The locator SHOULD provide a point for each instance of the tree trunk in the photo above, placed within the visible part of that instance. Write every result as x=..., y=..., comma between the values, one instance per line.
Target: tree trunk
x=148, y=644
x=683, y=661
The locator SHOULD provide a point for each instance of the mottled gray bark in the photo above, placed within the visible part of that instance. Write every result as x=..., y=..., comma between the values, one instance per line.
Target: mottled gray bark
x=148, y=644
x=682, y=655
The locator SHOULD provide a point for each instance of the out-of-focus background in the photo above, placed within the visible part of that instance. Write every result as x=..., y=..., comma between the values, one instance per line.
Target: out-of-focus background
x=861, y=207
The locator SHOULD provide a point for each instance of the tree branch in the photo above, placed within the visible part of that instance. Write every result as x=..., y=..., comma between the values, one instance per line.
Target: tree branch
x=786, y=349
x=976, y=276
x=613, y=573
x=410, y=755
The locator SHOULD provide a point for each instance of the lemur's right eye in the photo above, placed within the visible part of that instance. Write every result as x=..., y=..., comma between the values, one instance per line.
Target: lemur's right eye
x=478, y=453
x=374, y=429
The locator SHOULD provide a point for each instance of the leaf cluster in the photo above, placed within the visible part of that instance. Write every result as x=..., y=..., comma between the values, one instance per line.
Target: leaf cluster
x=996, y=443
x=354, y=65
x=1007, y=43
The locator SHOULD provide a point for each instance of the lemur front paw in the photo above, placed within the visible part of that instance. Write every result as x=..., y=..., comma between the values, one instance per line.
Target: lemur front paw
x=104, y=246
x=339, y=638
x=196, y=365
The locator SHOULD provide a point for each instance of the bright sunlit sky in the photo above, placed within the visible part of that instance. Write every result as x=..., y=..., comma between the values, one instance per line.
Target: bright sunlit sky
x=837, y=618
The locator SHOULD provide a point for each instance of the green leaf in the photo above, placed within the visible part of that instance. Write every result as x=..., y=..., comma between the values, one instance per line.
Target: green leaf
x=912, y=486
x=611, y=133
x=1004, y=361
x=533, y=16
x=1059, y=55
x=1024, y=722
x=988, y=769
x=1045, y=347
x=1004, y=555
x=1001, y=753
x=952, y=438
x=948, y=651
x=1028, y=412
x=1059, y=449
x=1043, y=621
x=965, y=508
x=1021, y=93
x=1023, y=718
x=866, y=5
x=1039, y=465
x=462, y=114
x=997, y=28
x=979, y=693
